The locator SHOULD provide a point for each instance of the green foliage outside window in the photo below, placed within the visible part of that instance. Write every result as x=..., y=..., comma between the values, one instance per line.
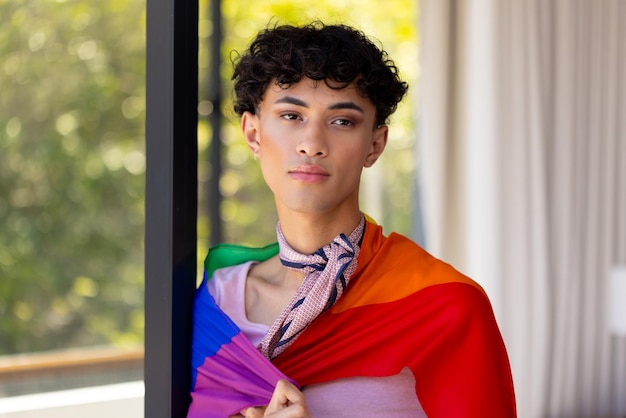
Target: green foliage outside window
x=71, y=173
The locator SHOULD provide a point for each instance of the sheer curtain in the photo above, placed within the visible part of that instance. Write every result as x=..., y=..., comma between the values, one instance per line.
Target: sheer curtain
x=523, y=178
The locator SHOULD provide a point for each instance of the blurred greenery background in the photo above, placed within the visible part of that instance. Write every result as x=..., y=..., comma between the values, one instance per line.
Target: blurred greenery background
x=72, y=160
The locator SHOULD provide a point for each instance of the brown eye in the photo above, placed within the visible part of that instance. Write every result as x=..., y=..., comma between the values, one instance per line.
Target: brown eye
x=343, y=122
x=290, y=116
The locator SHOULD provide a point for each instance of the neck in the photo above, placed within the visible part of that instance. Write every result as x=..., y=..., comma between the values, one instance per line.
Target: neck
x=306, y=233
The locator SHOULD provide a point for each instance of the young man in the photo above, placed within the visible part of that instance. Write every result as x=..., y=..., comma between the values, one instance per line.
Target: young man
x=365, y=324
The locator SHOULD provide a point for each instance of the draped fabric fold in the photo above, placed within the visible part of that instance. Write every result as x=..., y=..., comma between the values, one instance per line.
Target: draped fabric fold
x=405, y=310
x=229, y=373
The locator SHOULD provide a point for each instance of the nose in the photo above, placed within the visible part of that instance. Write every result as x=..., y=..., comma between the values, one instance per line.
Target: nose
x=313, y=140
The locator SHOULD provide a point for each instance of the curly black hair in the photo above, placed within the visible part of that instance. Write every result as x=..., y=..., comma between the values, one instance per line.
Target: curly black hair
x=336, y=54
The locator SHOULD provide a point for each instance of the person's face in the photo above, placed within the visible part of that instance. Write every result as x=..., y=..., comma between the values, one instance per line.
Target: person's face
x=313, y=142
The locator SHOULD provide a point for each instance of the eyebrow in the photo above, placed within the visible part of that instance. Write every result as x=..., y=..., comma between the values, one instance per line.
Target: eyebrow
x=347, y=105
x=340, y=105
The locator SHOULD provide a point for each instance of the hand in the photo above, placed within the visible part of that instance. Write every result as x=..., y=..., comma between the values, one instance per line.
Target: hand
x=287, y=402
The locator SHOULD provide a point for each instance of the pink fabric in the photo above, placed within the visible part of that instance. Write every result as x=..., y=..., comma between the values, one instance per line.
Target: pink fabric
x=327, y=271
x=389, y=397
x=228, y=287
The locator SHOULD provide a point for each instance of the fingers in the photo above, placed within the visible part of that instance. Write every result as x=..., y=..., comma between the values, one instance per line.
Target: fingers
x=254, y=412
x=287, y=400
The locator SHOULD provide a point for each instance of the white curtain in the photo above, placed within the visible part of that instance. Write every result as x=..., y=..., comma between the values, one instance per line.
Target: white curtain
x=522, y=170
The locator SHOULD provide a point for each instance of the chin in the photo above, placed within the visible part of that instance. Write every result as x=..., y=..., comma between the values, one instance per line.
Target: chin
x=307, y=207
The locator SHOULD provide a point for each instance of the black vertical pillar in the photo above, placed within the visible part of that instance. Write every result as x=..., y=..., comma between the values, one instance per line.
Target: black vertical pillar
x=171, y=202
x=215, y=120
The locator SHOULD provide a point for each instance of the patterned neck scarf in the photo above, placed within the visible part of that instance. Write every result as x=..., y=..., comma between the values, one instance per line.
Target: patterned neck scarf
x=327, y=273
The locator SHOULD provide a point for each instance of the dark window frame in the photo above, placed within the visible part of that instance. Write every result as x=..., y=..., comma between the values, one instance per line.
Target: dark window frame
x=171, y=203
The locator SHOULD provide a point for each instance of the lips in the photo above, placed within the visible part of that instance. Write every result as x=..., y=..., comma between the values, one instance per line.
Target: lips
x=309, y=173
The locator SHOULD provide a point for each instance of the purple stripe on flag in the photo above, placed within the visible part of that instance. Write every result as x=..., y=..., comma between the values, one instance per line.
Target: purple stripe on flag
x=237, y=377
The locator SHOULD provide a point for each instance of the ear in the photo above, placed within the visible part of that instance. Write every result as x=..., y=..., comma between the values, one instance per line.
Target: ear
x=250, y=129
x=378, y=145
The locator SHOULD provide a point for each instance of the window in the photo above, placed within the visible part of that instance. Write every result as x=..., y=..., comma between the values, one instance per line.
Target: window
x=71, y=194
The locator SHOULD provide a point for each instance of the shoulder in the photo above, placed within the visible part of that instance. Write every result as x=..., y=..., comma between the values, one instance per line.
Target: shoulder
x=400, y=255
x=226, y=283
x=225, y=255
x=394, y=267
